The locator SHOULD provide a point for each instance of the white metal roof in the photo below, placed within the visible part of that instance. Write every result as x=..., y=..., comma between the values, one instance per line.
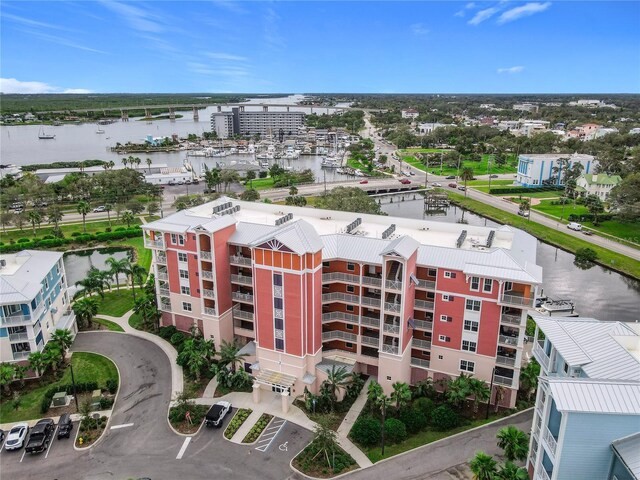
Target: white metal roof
x=404, y=246
x=21, y=278
x=246, y=233
x=595, y=396
x=299, y=236
x=594, y=345
x=628, y=449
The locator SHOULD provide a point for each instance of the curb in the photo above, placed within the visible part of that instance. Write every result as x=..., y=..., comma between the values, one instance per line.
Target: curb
x=223, y=433
x=320, y=478
x=256, y=440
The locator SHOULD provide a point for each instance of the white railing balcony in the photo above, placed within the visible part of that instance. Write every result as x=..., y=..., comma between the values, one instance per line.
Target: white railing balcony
x=151, y=243
x=391, y=307
x=370, y=341
x=204, y=255
x=340, y=297
x=419, y=362
x=207, y=274
x=165, y=307
x=510, y=319
x=423, y=324
x=209, y=311
x=500, y=380
x=542, y=474
x=540, y=355
x=21, y=355
x=16, y=337
x=370, y=301
x=242, y=297
x=423, y=305
x=370, y=321
x=242, y=315
x=426, y=285
x=390, y=328
x=338, y=351
x=423, y=344
x=163, y=276
x=373, y=281
x=504, y=360
x=242, y=279
x=552, y=443
x=163, y=291
x=513, y=298
x=340, y=277
x=206, y=293
x=393, y=349
x=17, y=320
x=507, y=340
x=339, y=335
x=339, y=316
x=239, y=260
x=161, y=259
x=393, y=285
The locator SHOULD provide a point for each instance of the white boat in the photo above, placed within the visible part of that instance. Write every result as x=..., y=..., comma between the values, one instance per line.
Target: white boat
x=99, y=130
x=45, y=136
x=326, y=163
x=341, y=170
x=264, y=164
x=556, y=308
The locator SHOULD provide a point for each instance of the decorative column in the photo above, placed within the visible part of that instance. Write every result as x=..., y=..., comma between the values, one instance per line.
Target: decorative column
x=285, y=401
x=256, y=393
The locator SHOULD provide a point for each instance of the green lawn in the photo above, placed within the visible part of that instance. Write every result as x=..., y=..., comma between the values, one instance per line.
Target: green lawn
x=540, y=194
x=485, y=182
x=421, y=150
x=111, y=326
x=67, y=230
x=606, y=257
x=261, y=183
x=116, y=303
x=353, y=163
x=144, y=254
x=135, y=321
x=479, y=167
x=86, y=367
x=545, y=206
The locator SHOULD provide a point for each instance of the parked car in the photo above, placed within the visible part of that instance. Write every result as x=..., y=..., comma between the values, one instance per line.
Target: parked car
x=362, y=182
x=40, y=436
x=523, y=213
x=216, y=414
x=451, y=177
x=16, y=437
x=99, y=209
x=462, y=187
x=493, y=176
x=209, y=190
x=587, y=232
x=574, y=226
x=195, y=181
x=65, y=425
x=1, y=435
x=453, y=185
x=405, y=181
x=171, y=183
x=436, y=184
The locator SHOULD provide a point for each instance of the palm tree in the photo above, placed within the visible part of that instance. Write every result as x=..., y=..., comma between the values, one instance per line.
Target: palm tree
x=424, y=388
x=500, y=392
x=514, y=442
x=111, y=164
x=116, y=267
x=149, y=162
x=480, y=392
x=83, y=209
x=337, y=379
x=374, y=392
x=529, y=377
x=54, y=215
x=229, y=354
x=125, y=161
x=401, y=395
x=63, y=339
x=293, y=190
x=510, y=471
x=36, y=362
x=107, y=208
x=85, y=310
x=128, y=218
x=52, y=354
x=483, y=466
x=458, y=390
x=35, y=218
x=137, y=161
x=20, y=372
x=135, y=272
x=7, y=372
x=191, y=357
x=467, y=174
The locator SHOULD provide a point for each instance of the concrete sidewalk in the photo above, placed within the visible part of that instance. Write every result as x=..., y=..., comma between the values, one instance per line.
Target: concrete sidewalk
x=348, y=421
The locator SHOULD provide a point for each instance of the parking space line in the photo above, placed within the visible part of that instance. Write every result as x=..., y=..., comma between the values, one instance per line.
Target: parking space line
x=269, y=437
x=51, y=442
x=183, y=448
x=124, y=425
x=23, y=453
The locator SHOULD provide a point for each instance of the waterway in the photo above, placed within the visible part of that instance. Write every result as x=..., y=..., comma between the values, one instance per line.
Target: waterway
x=597, y=292
x=77, y=264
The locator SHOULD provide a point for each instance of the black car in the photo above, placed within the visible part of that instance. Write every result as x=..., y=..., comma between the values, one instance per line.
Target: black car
x=493, y=176
x=1, y=436
x=216, y=414
x=40, y=436
x=65, y=425
x=451, y=177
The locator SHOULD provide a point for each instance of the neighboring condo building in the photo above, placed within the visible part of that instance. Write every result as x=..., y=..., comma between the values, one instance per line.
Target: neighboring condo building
x=537, y=170
x=243, y=122
x=587, y=415
x=35, y=302
x=402, y=299
x=222, y=124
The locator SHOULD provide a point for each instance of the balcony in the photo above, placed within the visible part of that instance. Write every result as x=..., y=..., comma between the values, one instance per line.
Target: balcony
x=209, y=311
x=239, y=260
x=206, y=255
x=370, y=301
x=393, y=285
x=423, y=324
x=21, y=355
x=552, y=442
x=370, y=321
x=540, y=355
x=373, y=281
x=17, y=320
x=18, y=337
x=165, y=306
x=151, y=243
x=423, y=344
x=242, y=279
x=242, y=297
x=419, y=362
x=426, y=285
x=163, y=276
x=370, y=341
x=161, y=259
x=242, y=314
x=339, y=335
x=340, y=297
x=504, y=360
x=206, y=293
x=393, y=349
x=542, y=474
x=500, y=380
x=207, y=274
x=340, y=277
x=515, y=298
x=423, y=305
x=163, y=291
x=392, y=307
x=507, y=340
x=510, y=319
x=339, y=316
x=391, y=328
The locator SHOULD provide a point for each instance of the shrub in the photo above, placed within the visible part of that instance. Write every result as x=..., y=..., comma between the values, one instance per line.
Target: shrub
x=366, y=431
x=257, y=429
x=167, y=332
x=413, y=419
x=425, y=406
x=105, y=403
x=108, y=229
x=237, y=421
x=112, y=385
x=177, y=339
x=23, y=240
x=394, y=430
x=48, y=237
x=76, y=234
x=444, y=418
x=586, y=254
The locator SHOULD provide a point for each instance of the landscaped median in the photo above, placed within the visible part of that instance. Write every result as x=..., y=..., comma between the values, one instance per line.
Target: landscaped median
x=258, y=428
x=236, y=422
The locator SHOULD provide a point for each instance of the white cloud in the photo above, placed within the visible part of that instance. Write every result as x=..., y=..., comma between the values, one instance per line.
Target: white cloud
x=419, y=29
x=30, y=22
x=511, y=70
x=523, y=11
x=483, y=15
x=138, y=18
x=470, y=5
x=12, y=85
x=225, y=56
x=272, y=31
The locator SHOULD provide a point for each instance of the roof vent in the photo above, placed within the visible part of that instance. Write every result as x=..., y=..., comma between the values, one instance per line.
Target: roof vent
x=231, y=210
x=389, y=231
x=3, y=263
x=461, y=238
x=284, y=219
x=222, y=207
x=492, y=235
x=353, y=225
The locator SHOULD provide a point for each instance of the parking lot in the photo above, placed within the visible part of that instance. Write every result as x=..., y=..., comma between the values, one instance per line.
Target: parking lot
x=57, y=449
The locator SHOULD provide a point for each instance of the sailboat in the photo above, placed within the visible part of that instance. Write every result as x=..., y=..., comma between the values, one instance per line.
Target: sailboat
x=99, y=130
x=45, y=136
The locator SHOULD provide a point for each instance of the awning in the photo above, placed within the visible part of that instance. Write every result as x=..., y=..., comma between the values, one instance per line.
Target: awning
x=278, y=379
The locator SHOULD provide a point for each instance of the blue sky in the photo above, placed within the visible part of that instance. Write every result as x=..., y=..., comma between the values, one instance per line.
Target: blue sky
x=377, y=47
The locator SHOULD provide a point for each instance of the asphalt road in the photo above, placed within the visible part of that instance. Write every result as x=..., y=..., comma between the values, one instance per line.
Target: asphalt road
x=149, y=448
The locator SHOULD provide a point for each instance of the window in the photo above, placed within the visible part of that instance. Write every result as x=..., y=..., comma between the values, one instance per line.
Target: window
x=446, y=318
x=325, y=264
x=277, y=303
x=469, y=346
x=279, y=343
x=566, y=368
x=349, y=308
x=449, y=275
x=444, y=338
x=471, y=325
x=351, y=288
x=349, y=326
x=279, y=323
x=467, y=366
x=447, y=298
x=440, y=357
x=348, y=344
x=277, y=279
x=185, y=290
x=388, y=378
x=180, y=239
x=186, y=306
x=182, y=257
x=174, y=239
x=488, y=285
x=508, y=286
x=184, y=273
x=432, y=272
x=475, y=284
x=351, y=267
x=473, y=305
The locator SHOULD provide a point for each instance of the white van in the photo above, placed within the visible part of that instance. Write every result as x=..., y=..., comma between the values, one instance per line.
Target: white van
x=574, y=226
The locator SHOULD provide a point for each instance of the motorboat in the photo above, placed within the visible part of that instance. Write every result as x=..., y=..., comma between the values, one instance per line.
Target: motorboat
x=45, y=136
x=556, y=308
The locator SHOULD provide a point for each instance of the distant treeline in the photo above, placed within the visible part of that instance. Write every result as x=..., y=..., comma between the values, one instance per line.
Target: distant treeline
x=39, y=166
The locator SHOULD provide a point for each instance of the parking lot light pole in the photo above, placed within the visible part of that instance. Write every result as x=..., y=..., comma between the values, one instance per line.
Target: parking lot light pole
x=493, y=373
x=73, y=382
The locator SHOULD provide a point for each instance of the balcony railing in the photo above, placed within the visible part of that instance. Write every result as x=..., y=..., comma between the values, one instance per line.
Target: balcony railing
x=510, y=319
x=391, y=307
x=241, y=314
x=393, y=349
x=338, y=296
x=370, y=301
x=542, y=474
x=21, y=355
x=339, y=335
x=508, y=340
x=206, y=255
x=165, y=307
x=423, y=324
x=390, y=328
x=338, y=351
x=423, y=305
x=500, y=380
x=426, y=284
x=151, y=243
x=373, y=281
x=370, y=321
x=209, y=311
x=17, y=320
x=393, y=284
x=242, y=279
x=552, y=443
x=206, y=293
x=419, y=362
x=504, y=360
x=239, y=260
x=513, y=298
x=242, y=297
x=161, y=259
x=16, y=337
x=540, y=355
x=207, y=274
x=370, y=341
x=345, y=317
x=163, y=276
x=424, y=344
x=340, y=277
x=163, y=291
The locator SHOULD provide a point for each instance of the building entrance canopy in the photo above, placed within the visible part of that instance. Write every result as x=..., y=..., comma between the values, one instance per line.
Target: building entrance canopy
x=275, y=379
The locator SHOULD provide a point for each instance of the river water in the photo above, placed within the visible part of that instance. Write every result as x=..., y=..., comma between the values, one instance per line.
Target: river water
x=597, y=292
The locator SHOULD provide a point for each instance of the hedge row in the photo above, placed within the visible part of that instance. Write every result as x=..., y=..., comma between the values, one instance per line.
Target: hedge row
x=587, y=217
x=83, y=238
x=506, y=190
x=80, y=388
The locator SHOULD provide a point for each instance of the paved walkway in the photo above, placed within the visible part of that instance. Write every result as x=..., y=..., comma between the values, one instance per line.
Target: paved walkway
x=348, y=421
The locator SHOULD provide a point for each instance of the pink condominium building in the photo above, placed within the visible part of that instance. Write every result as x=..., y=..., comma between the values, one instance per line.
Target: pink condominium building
x=304, y=289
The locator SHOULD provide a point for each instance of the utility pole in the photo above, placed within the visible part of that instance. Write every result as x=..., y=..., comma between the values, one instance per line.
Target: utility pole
x=324, y=175
x=73, y=382
x=486, y=417
x=384, y=414
x=489, y=170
